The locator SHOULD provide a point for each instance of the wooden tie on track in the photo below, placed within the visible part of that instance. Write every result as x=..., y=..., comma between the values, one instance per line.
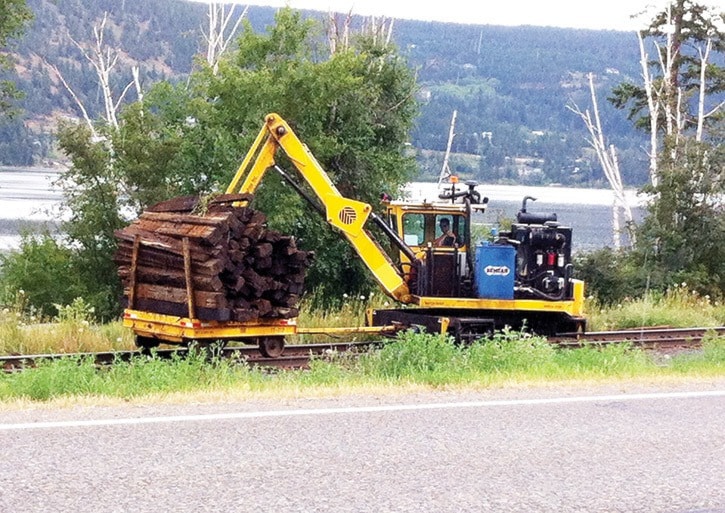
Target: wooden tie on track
x=645, y=338
x=297, y=356
x=222, y=264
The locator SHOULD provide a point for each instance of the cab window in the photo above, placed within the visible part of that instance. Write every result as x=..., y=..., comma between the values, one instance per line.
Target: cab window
x=414, y=229
x=457, y=224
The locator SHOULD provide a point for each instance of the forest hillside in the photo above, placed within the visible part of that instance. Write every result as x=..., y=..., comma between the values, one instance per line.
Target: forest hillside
x=510, y=86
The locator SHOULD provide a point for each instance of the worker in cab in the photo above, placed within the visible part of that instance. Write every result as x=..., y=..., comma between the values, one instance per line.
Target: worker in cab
x=447, y=237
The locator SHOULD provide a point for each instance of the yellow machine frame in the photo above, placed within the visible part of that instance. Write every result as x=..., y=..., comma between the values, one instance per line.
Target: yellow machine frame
x=170, y=328
x=574, y=307
x=350, y=217
x=175, y=329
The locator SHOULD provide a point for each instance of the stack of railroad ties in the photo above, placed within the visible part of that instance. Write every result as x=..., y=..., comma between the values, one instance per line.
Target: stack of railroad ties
x=210, y=260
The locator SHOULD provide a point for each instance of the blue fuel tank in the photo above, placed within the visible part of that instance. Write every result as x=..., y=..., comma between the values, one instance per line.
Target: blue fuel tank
x=495, y=271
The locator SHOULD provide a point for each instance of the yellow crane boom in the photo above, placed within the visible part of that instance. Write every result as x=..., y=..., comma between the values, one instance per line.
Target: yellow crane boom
x=348, y=215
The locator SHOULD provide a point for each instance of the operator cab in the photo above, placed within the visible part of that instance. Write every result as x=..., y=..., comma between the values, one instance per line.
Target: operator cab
x=439, y=234
x=421, y=228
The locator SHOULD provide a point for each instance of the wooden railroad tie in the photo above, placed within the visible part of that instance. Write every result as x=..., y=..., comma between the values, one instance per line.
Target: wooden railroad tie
x=219, y=264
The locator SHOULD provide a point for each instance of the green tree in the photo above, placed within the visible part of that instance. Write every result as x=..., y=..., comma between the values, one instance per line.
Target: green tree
x=13, y=16
x=93, y=191
x=353, y=108
x=684, y=232
x=683, y=236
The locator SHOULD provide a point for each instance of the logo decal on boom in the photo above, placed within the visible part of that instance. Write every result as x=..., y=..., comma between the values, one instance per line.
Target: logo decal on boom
x=347, y=215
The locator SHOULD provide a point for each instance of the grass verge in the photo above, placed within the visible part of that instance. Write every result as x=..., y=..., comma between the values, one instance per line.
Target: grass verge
x=414, y=359
x=74, y=331
x=678, y=307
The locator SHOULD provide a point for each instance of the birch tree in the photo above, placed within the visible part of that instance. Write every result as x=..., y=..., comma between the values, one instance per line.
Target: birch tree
x=445, y=168
x=337, y=31
x=683, y=236
x=607, y=156
x=222, y=26
x=94, y=190
x=654, y=109
x=378, y=30
x=104, y=59
x=682, y=80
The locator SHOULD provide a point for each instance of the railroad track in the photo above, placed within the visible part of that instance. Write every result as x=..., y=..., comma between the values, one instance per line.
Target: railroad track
x=645, y=338
x=294, y=357
x=298, y=356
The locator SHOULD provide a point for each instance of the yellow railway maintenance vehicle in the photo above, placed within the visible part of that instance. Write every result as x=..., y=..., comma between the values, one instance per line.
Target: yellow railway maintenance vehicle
x=442, y=281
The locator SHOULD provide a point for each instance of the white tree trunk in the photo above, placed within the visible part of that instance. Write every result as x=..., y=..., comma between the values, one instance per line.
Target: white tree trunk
x=217, y=38
x=704, y=56
x=137, y=82
x=616, y=229
x=104, y=59
x=669, y=87
x=84, y=112
x=607, y=156
x=654, y=108
x=701, y=114
x=338, y=37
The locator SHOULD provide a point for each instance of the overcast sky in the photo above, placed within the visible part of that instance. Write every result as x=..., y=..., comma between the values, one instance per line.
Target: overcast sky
x=592, y=14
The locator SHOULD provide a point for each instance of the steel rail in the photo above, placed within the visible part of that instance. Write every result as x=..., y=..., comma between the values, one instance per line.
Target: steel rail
x=297, y=356
x=646, y=338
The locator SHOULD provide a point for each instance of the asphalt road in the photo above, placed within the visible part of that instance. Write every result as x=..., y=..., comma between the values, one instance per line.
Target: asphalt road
x=595, y=449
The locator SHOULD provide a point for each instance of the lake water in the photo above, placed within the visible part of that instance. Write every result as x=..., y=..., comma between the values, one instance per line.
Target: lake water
x=587, y=211
x=29, y=199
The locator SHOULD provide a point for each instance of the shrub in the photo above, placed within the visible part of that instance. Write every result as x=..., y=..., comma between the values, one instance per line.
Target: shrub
x=42, y=271
x=611, y=276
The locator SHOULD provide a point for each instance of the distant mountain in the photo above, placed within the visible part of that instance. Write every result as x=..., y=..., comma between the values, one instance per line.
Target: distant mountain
x=509, y=85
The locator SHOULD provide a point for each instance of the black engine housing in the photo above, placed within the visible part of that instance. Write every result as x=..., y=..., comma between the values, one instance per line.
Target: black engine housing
x=543, y=258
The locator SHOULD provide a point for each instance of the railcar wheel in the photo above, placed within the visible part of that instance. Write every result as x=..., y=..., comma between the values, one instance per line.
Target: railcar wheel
x=468, y=332
x=271, y=347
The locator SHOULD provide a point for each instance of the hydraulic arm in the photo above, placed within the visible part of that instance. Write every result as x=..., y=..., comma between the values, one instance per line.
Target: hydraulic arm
x=349, y=216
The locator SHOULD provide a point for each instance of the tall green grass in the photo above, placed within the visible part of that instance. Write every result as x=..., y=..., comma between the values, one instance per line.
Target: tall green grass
x=710, y=362
x=678, y=307
x=434, y=360
x=413, y=359
x=74, y=376
x=71, y=331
